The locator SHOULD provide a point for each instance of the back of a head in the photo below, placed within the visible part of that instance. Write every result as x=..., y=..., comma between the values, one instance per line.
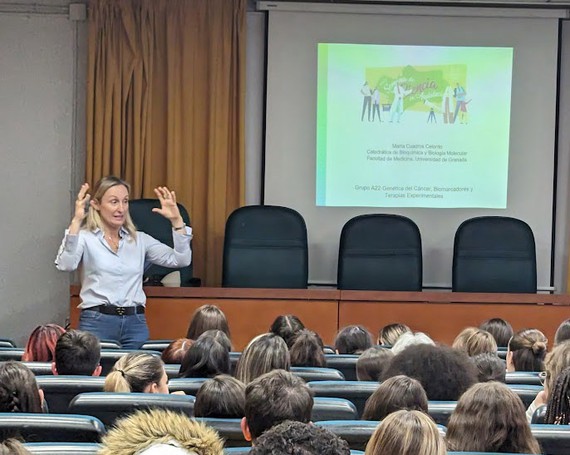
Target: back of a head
x=353, y=339
x=489, y=367
x=275, y=397
x=411, y=339
x=527, y=351
x=221, y=397
x=12, y=446
x=500, y=329
x=555, y=362
x=406, y=433
x=558, y=409
x=562, y=333
x=77, y=353
x=480, y=342
x=134, y=373
x=175, y=351
x=287, y=326
x=460, y=341
x=18, y=389
x=307, y=350
x=299, y=438
x=490, y=417
x=444, y=373
x=207, y=317
x=41, y=343
x=372, y=362
x=266, y=352
x=145, y=431
x=206, y=358
x=389, y=334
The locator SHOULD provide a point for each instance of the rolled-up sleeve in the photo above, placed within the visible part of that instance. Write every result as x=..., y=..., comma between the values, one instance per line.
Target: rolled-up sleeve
x=70, y=253
x=160, y=254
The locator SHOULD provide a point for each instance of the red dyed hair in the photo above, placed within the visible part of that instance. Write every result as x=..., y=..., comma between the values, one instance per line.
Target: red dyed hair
x=41, y=344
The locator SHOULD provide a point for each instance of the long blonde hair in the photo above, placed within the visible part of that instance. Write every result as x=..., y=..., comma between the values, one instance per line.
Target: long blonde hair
x=93, y=220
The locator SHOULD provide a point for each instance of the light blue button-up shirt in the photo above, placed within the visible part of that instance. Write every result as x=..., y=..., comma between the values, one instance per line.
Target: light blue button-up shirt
x=116, y=278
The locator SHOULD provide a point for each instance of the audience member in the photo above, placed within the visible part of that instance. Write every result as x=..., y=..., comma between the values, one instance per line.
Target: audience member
x=406, y=433
x=478, y=342
x=460, y=342
x=206, y=358
x=175, y=351
x=389, y=334
x=562, y=333
x=287, y=326
x=526, y=351
x=41, y=344
x=500, y=329
x=489, y=367
x=411, y=339
x=221, y=397
x=353, y=339
x=372, y=362
x=137, y=372
x=161, y=432
x=398, y=392
x=307, y=350
x=299, y=438
x=558, y=409
x=444, y=373
x=207, y=317
x=273, y=398
x=264, y=353
x=220, y=336
x=490, y=417
x=77, y=353
x=18, y=389
x=12, y=446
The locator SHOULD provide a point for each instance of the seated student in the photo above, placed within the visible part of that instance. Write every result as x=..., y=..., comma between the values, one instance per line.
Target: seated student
x=307, y=350
x=19, y=390
x=460, y=340
x=273, y=398
x=160, y=432
x=526, y=351
x=558, y=409
x=206, y=358
x=500, y=329
x=490, y=417
x=266, y=352
x=221, y=397
x=489, y=368
x=372, y=363
x=562, y=332
x=77, y=353
x=287, y=326
x=41, y=344
x=299, y=438
x=398, y=392
x=207, y=317
x=353, y=339
x=12, y=446
x=175, y=351
x=411, y=339
x=137, y=372
x=406, y=433
x=389, y=334
x=474, y=341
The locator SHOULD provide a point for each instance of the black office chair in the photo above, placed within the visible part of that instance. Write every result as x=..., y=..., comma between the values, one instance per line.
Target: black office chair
x=265, y=246
x=63, y=448
x=494, y=254
x=59, y=390
x=380, y=252
x=355, y=391
x=160, y=228
x=317, y=374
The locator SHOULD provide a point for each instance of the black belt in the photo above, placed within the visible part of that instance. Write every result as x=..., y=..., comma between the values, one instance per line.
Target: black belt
x=118, y=310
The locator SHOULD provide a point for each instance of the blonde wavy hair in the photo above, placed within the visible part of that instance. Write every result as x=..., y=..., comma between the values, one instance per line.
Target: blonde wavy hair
x=93, y=220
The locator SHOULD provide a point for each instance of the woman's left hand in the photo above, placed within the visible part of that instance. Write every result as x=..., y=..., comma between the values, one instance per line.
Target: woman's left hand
x=168, y=207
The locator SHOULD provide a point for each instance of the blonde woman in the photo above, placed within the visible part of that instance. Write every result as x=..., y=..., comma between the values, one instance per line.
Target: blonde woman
x=137, y=372
x=406, y=433
x=103, y=242
x=474, y=341
x=266, y=352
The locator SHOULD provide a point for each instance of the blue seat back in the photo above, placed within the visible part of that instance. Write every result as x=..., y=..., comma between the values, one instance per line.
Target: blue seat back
x=355, y=391
x=59, y=390
x=317, y=374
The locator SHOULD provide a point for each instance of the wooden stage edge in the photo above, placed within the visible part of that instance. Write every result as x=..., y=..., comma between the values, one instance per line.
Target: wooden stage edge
x=442, y=315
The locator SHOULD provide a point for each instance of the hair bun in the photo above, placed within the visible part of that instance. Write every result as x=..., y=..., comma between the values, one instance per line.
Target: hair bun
x=538, y=347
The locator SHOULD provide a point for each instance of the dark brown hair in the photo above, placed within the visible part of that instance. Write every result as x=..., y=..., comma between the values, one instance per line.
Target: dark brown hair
x=18, y=389
x=500, y=329
x=307, y=350
x=353, y=339
x=528, y=348
x=175, y=351
x=372, y=363
x=287, y=326
x=221, y=397
x=207, y=317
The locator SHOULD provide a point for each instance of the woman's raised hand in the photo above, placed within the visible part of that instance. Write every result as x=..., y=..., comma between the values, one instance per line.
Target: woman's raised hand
x=80, y=209
x=168, y=207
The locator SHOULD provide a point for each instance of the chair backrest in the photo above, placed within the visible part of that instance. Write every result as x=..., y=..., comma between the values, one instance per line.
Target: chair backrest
x=326, y=408
x=7, y=343
x=228, y=429
x=317, y=374
x=345, y=363
x=502, y=352
x=110, y=344
x=380, y=252
x=172, y=370
x=40, y=368
x=160, y=228
x=527, y=393
x=355, y=391
x=265, y=246
x=494, y=254
x=553, y=439
x=156, y=345
x=109, y=406
x=63, y=448
x=51, y=427
x=110, y=356
x=7, y=353
x=523, y=377
x=60, y=390
x=539, y=415
x=189, y=386
x=440, y=411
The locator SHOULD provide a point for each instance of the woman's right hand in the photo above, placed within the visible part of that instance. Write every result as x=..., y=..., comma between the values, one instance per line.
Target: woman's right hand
x=80, y=209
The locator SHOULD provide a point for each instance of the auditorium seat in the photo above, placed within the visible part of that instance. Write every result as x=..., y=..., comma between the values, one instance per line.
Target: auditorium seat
x=189, y=386
x=355, y=391
x=59, y=390
x=228, y=429
x=62, y=448
x=494, y=254
x=325, y=408
x=109, y=406
x=553, y=439
x=345, y=363
x=7, y=343
x=317, y=374
x=172, y=370
x=11, y=353
x=539, y=415
x=110, y=356
x=527, y=393
x=440, y=411
x=265, y=246
x=33, y=427
x=380, y=252
x=523, y=377
x=156, y=345
x=40, y=368
x=110, y=344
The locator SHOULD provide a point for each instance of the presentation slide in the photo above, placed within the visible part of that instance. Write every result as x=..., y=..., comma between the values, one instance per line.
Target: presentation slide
x=413, y=126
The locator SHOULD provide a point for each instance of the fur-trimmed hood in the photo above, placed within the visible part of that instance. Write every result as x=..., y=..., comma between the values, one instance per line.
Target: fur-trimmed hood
x=161, y=431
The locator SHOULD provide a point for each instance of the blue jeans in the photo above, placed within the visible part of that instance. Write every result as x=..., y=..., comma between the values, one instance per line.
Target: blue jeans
x=131, y=331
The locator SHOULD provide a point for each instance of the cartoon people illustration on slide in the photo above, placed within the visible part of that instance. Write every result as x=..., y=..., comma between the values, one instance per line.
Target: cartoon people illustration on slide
x=446, y=105
x=432, y=108
x=459, y=93
x=397, y=108
x=366, y=102
x=376, y=104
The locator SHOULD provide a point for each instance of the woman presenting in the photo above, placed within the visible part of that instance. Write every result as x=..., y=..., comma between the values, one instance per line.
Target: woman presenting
x=111, y=255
